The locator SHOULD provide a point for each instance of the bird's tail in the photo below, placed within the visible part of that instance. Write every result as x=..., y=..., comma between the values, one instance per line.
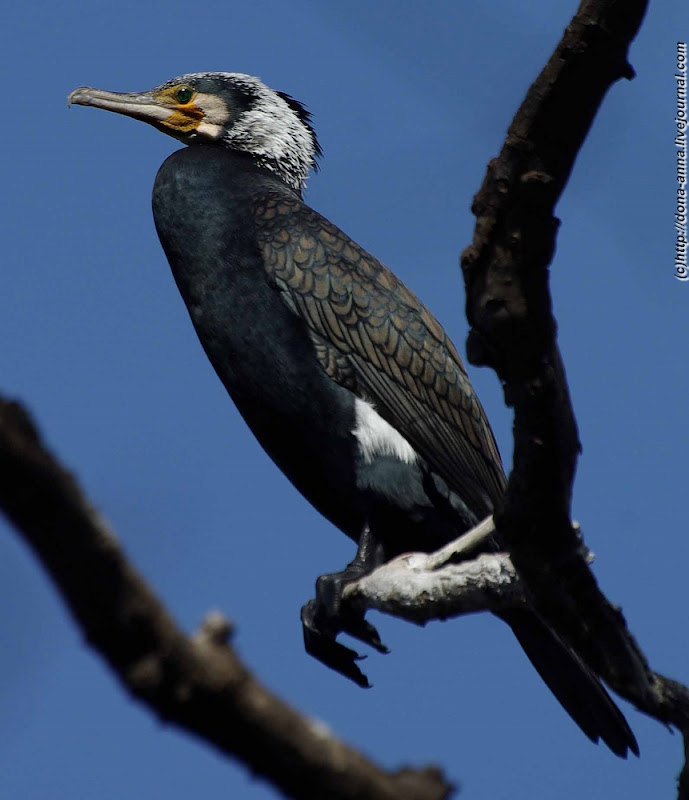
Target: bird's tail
x=576, y=687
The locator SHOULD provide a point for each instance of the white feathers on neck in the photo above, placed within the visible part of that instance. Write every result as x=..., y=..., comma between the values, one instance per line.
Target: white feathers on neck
x=272, y=132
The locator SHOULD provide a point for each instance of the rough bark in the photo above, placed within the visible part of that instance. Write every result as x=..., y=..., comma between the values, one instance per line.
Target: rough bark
x=514, y=331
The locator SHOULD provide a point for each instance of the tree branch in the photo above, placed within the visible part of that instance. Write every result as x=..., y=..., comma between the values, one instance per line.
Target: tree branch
x=513, y=330
x=197, y=683
x=407, y=588
x=420, y=587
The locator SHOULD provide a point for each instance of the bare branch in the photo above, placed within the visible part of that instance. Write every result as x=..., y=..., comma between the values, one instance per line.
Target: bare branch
x=509, y=307
x=463, y=545
x=199, y=684
x=514, y=332
x=406, y=587
x=421, y=587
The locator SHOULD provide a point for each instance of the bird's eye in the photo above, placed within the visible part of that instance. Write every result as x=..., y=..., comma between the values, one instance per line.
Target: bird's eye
x=184, y=94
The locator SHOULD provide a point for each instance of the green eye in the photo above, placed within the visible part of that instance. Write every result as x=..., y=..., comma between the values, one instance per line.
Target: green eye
x=184, y=94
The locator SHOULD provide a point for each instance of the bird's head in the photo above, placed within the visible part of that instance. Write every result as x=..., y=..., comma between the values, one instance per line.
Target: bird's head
x=229, y=109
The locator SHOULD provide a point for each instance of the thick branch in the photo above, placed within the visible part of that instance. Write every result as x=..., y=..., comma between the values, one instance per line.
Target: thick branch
x=405, y=587
x=420, y=587
x=513, y=330
x=198, y=683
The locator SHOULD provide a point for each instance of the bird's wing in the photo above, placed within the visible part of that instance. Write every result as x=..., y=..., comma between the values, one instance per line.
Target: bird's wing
x=374, y=336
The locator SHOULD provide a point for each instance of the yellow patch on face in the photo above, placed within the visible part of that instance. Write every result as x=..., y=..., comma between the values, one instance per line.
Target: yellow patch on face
x=186, y=116
x=186, y=119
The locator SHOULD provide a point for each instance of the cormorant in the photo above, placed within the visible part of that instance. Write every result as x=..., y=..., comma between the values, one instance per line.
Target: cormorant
x=343, y=375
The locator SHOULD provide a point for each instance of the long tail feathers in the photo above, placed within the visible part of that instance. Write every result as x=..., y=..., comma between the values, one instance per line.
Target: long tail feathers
x=577, y=689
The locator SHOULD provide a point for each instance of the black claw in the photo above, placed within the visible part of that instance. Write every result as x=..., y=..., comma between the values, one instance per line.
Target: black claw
x=365, y=632
x=322, y=645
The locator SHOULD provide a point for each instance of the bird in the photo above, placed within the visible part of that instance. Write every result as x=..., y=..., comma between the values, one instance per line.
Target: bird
x=345, y=378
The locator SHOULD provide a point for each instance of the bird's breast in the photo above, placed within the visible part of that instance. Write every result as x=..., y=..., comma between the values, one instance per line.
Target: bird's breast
x=260, y=349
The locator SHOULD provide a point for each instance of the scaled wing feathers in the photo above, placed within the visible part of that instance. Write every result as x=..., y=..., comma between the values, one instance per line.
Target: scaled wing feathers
x=374, y=336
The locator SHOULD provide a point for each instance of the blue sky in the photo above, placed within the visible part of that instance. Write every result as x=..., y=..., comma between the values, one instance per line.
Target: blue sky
x=410, y=100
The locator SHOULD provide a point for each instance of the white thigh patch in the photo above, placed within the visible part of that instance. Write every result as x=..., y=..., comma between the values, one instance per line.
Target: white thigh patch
x=378, y=437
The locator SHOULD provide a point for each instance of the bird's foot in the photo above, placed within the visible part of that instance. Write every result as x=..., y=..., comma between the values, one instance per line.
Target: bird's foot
x=327, y=616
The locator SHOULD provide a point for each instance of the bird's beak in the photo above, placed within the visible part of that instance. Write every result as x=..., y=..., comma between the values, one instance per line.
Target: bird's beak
x=144, y=105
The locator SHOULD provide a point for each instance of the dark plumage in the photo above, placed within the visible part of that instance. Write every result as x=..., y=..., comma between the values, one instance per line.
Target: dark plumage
x=343, y=375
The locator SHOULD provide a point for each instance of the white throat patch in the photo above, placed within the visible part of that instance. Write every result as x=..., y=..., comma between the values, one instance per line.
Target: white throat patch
x=377, y=437
x=215, y=115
